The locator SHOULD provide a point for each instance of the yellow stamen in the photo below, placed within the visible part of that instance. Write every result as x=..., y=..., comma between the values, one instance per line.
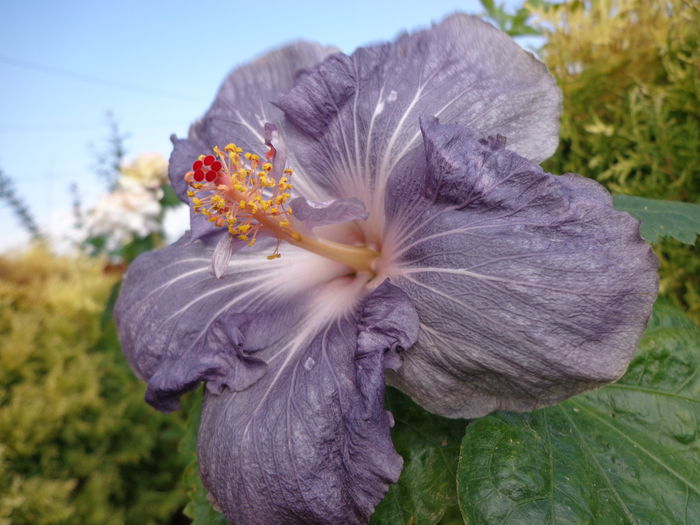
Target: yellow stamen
x=247, y=201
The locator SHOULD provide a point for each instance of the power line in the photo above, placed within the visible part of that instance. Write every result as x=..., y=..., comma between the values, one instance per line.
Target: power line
x=78, y=128
x=90, y=79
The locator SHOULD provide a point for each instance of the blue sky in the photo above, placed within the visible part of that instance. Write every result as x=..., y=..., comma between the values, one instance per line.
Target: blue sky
x=155, y=65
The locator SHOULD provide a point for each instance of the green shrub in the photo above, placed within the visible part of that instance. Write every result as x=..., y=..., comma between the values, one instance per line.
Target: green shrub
x=630, y=74
x=78, y=444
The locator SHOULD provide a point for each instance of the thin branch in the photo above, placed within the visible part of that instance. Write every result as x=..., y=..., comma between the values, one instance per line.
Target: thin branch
x=8, y=193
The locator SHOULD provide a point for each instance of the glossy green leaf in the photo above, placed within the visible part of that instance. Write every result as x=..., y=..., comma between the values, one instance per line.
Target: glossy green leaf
x=680, y=220
x=429, y=445
x=628, y=453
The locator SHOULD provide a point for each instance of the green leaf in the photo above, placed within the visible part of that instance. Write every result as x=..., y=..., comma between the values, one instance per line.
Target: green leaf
x=429, y=445
x=659, y=218
x=199, y=509
x=170, y=198
x=108, y=312
x=627, y=453
x=140, y=245
x=488, y=5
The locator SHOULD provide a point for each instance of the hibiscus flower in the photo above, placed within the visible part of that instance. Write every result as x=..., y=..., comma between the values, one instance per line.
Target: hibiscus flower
x=378, y=217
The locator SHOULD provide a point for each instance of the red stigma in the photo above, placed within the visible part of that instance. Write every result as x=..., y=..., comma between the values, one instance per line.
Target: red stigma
x=197, y=165
x=210, y=176
x=208, y=160
x=199, y=175
x=216, y=166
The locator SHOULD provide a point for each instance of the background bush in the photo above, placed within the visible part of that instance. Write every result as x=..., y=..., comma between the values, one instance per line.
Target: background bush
x=78, y=444
x=630, y=74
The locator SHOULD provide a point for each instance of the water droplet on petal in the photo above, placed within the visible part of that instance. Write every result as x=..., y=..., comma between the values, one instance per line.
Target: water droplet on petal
x=309, y=363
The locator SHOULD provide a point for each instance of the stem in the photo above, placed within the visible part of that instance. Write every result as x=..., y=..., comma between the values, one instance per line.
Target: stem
x=358, y=257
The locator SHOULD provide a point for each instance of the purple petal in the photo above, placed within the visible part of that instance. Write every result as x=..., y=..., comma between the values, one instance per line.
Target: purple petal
x=328, y=212
x=310, y=443
x=221, y=258
x=274, y=141
x=201, y=229
x=242, y=107
x=178, y=323
x=389, y=320
x=530, y=287
x=212, y=361
x=185, y=152
x=354, y=118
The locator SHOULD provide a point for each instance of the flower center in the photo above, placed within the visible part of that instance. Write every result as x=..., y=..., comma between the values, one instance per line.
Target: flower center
x=239, y=191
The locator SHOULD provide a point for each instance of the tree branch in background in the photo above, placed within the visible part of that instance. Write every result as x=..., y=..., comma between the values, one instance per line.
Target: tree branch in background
x=77, y=206
x=20, y=209
x=110, y=159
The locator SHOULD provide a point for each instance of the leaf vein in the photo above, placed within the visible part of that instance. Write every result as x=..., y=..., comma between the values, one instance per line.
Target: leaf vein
x=637, y=445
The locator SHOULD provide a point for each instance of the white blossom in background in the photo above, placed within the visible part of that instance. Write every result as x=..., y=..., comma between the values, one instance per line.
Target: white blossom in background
x=149, y=170
x=133, y=209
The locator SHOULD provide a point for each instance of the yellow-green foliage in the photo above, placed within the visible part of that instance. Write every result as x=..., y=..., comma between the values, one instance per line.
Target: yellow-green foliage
x=630, y=74
x=77, y=443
